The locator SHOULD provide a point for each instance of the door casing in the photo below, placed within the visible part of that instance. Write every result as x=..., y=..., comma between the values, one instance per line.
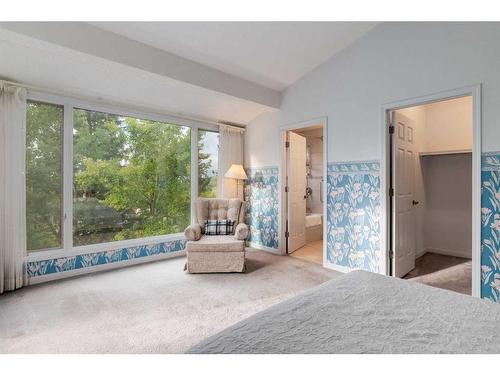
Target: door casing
x=282, y=180
x=385, y=179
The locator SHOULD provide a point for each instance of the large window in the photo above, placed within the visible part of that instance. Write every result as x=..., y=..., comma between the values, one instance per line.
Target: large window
x=96, y=176
x=208, y=163
x=131, y=178
x=44, y=129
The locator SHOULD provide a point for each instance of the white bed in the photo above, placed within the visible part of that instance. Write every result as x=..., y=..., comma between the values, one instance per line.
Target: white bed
x=362, y=312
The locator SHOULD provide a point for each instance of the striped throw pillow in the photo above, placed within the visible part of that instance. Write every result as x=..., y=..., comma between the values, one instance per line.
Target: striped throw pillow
x=218, y=227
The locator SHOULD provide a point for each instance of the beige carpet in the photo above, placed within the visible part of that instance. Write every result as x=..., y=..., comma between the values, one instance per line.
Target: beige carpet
x=443, y=271
x=150, y=308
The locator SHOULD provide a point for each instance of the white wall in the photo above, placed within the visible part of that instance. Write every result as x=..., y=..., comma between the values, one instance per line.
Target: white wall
x=448, y=125
x=448, y=196
x=393, y=62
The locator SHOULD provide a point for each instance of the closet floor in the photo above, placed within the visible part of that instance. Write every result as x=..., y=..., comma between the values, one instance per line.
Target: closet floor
x=312, y=252
x=443, y=271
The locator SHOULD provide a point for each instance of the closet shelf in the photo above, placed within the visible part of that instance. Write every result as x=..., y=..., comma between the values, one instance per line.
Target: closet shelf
x=447, y=152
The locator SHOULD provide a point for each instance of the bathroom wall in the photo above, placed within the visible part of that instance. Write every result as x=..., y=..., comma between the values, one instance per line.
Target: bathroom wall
x=314, y=142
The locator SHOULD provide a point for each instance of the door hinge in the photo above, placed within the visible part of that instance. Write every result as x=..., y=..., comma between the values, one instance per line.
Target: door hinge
x=287, y=234
x=391, y=192
x=391, y=254
x=287, y=144
x=391, y=129
x=286, y=189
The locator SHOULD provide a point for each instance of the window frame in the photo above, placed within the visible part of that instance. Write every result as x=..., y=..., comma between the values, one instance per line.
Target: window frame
x=69, y=104
x=62, y=222
x=198, y=154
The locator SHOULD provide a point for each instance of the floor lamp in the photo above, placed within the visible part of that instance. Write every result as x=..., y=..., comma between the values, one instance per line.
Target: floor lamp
x=238, y=173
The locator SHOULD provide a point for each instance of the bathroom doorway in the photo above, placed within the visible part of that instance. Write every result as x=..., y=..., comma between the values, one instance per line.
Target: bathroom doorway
x=304, y=191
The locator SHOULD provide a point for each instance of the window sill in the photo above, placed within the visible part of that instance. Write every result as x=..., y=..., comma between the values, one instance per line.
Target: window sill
x=89, y=249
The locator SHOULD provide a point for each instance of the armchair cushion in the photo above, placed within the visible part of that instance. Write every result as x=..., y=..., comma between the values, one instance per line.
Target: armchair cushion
x=216, y=244
x=219, y=209
x=216, y=227
x=193, y=232
x=241, y=231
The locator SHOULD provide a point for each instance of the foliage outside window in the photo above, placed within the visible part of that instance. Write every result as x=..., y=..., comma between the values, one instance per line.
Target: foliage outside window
x=208, y=163
x=131, y=178
x=44, y=124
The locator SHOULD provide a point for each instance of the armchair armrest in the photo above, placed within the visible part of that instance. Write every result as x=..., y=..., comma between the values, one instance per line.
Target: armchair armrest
x=193, y=232
x=241, y=231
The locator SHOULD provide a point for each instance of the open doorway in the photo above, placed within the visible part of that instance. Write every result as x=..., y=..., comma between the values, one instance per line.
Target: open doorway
x=304, y=192
x=431, y=193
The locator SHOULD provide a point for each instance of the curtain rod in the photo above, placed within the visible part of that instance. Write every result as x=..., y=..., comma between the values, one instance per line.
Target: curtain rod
x=117, y=103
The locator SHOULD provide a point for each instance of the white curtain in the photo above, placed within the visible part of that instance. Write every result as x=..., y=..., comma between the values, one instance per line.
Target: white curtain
x=12, y=187
x=230, y=152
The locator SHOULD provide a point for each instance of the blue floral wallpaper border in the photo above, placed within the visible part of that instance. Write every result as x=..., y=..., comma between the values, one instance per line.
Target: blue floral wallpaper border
x=261, y=196
x=50, y=266
x=353, y=215
x=490, y=226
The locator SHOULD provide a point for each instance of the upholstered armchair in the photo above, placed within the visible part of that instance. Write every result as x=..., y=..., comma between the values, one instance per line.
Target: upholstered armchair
x=216, y=253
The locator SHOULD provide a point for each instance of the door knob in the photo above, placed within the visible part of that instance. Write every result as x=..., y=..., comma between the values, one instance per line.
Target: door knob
x=414, y=202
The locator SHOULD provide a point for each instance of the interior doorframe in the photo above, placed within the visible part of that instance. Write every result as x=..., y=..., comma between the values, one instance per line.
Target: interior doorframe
x=282, y=177
x=475, y=92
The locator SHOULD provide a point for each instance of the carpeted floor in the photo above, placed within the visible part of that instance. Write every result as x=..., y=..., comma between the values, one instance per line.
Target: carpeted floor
x=443, y=271
x=149, y=308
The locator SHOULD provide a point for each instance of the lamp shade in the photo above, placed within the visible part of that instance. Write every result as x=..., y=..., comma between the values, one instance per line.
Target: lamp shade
x=237, y=172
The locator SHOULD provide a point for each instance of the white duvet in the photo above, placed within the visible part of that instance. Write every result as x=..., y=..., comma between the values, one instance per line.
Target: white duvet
x=362, y=312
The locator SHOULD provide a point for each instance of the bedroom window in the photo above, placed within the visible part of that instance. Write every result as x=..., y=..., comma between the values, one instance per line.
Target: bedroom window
x=131, y=177
x=44, y=130
x=208, y=163
x=105, y=177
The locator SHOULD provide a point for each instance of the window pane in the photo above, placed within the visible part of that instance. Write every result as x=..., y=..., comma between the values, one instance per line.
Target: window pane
x=131, y=178
x=44, y=123
x=208, y=163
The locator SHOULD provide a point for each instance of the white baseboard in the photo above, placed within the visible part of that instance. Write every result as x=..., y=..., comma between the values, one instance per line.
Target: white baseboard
x=103, y=267
x=452, y=253
x=265, y=248
x=336, y=267
x=420, y=252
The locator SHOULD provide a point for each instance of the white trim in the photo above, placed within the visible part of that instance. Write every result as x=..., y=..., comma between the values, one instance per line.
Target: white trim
x=257, y=246
x=475, y=92
x=420, y=253
x=337, y=268
x=194, y=172
x=323, y=121
x=448, y=152
x=100, y=247
x=103, y=267
x=452, y=253
x=67, y=178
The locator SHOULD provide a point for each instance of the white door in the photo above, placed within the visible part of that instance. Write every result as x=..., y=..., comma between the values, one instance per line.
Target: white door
x=297, y=192
x=403, y=212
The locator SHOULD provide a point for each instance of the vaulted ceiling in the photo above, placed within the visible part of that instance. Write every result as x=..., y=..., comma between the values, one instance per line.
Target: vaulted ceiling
x=271, y=54
x=215, y=70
